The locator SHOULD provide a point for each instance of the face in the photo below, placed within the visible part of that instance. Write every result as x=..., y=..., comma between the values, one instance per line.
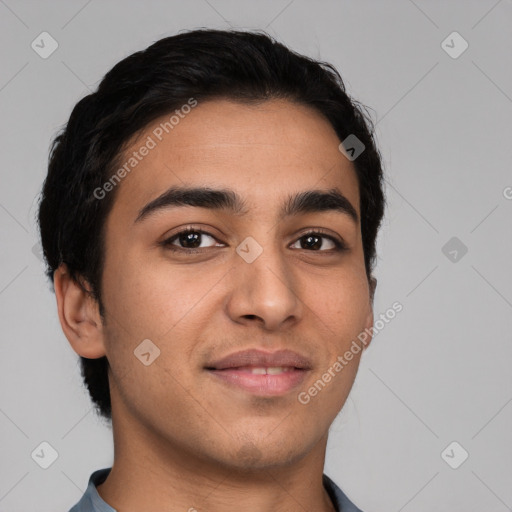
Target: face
x=269, y=275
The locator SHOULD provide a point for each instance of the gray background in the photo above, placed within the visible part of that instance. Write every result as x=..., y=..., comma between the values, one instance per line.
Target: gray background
x=438, y=373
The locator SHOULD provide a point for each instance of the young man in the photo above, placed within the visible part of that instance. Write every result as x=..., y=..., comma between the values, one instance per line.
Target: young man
x=209, y=222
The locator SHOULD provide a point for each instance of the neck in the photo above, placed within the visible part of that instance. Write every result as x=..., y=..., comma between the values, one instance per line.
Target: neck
x=153, y=475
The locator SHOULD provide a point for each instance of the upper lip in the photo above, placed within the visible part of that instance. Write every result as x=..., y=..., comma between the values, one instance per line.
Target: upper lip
x=260, y=358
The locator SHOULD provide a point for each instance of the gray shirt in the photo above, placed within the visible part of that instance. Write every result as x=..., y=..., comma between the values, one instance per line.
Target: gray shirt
x=92, y=502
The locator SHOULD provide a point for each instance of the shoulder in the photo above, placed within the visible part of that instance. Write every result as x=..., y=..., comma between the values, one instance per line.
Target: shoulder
x=91, y=500
x=338, y=497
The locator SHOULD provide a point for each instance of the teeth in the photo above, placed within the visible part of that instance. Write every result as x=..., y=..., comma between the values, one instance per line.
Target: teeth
x=275, y=370
x=272, y=370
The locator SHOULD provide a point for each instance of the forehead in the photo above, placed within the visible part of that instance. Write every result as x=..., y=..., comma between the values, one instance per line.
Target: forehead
x=260, y=150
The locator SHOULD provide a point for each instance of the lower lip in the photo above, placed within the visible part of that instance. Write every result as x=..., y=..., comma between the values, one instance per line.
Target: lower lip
x=263, y=385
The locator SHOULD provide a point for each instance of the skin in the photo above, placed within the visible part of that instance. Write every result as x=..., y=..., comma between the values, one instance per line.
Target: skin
x=183, y=440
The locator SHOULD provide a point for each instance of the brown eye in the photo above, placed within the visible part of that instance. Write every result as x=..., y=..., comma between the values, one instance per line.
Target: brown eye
x=316, y=241
x=188, y=239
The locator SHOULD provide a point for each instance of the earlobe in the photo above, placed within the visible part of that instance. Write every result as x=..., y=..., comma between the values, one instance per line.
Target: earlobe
x=79, y=315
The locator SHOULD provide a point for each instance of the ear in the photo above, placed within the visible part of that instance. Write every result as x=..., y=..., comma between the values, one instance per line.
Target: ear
x=369, y=318
x=79, y=315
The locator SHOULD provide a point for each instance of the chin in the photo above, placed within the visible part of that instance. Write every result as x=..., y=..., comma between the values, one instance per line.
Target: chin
x=262, y=455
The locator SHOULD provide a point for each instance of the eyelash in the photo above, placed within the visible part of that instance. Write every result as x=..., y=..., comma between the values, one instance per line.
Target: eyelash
x=168, y=243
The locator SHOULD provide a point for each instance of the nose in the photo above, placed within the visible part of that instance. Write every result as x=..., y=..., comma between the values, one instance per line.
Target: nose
x=264, y=292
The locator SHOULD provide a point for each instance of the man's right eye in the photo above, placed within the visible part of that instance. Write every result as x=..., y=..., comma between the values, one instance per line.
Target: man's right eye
x=188, y=240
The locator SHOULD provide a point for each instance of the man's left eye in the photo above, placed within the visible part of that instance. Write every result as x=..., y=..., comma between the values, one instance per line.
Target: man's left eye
x=315, y=241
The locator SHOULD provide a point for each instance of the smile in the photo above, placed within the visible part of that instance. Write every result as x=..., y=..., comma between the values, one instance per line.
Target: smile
x=261, y=380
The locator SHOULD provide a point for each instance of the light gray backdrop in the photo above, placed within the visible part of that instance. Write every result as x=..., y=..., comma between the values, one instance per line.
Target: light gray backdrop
x=439, y=373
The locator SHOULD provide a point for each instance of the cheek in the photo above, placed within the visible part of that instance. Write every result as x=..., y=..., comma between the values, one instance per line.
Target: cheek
x=150, y=299
x=342, y=303
x=169, y=306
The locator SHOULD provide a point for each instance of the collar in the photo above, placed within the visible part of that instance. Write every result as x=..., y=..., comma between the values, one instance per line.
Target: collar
x=92, y=502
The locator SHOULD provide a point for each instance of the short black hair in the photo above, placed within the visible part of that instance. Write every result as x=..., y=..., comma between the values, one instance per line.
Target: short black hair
x=204, y=64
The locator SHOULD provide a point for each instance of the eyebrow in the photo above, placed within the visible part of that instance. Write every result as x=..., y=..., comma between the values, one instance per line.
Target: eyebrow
x=308, y=201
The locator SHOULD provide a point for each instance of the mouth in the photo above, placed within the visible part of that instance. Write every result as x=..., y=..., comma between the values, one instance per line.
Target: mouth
x=263, y=381
x=261, y=373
